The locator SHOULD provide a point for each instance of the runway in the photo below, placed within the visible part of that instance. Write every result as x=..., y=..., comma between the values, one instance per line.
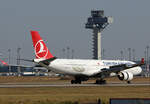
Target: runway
x=69, y=85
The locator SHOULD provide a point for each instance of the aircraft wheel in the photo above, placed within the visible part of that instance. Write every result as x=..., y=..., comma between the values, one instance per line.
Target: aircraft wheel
x=97, y=82
x=75, y=81
x=100, y=81
x=129, y=82
x=79, y=82
x=72, y=81
x=104, y=81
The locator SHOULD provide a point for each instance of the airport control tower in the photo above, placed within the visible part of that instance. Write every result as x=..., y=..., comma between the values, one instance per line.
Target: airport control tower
x=97, y=22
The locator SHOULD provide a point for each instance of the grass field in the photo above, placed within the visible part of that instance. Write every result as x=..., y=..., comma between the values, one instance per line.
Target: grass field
x=62, y=94
x=53, y=95
x=33, y=79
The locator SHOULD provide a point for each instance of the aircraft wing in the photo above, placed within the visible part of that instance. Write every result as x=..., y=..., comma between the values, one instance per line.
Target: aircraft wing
x=118, y=68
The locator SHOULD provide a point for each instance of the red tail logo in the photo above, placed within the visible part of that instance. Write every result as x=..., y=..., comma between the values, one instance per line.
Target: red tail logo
x=4, y=63
x=142, y=61
x=41, y=51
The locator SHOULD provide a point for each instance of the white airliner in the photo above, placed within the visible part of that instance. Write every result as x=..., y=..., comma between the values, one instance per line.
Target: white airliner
x=82, y=69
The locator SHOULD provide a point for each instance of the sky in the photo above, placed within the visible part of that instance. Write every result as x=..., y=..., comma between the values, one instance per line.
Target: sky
x=61, y=24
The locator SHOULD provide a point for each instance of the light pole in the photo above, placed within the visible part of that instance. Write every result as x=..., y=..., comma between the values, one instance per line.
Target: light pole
x=129, y=49
x=18, y=60
x=63, y=50
x=133, y=52
x=147, y=57
x=103, y=54
x=9, y=50
x=72, y=53
x=68, y=49
x=121, y=52
x=18, y=56
x=1, y=54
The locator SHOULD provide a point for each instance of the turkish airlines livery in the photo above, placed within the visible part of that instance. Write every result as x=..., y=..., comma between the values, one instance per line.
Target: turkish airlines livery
x=3, y=62
x=82, y=69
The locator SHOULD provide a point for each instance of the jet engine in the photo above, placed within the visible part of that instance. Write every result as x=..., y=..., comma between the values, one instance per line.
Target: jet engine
x=127, y=76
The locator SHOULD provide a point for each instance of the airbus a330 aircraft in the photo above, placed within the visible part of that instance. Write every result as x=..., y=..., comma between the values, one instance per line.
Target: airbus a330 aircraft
x=82, y=69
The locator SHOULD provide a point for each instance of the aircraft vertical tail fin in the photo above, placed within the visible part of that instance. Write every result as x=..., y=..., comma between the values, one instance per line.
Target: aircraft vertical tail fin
x=142, y=61
x=40, y=48
x=3, y=62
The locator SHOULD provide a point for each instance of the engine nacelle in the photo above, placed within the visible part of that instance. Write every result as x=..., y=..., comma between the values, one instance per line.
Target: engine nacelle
x=127, y=76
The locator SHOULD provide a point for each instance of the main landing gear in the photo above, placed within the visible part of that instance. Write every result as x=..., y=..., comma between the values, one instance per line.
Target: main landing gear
x=100, y=81
x=79, y=79
x=129, y=82
x=75, y=81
